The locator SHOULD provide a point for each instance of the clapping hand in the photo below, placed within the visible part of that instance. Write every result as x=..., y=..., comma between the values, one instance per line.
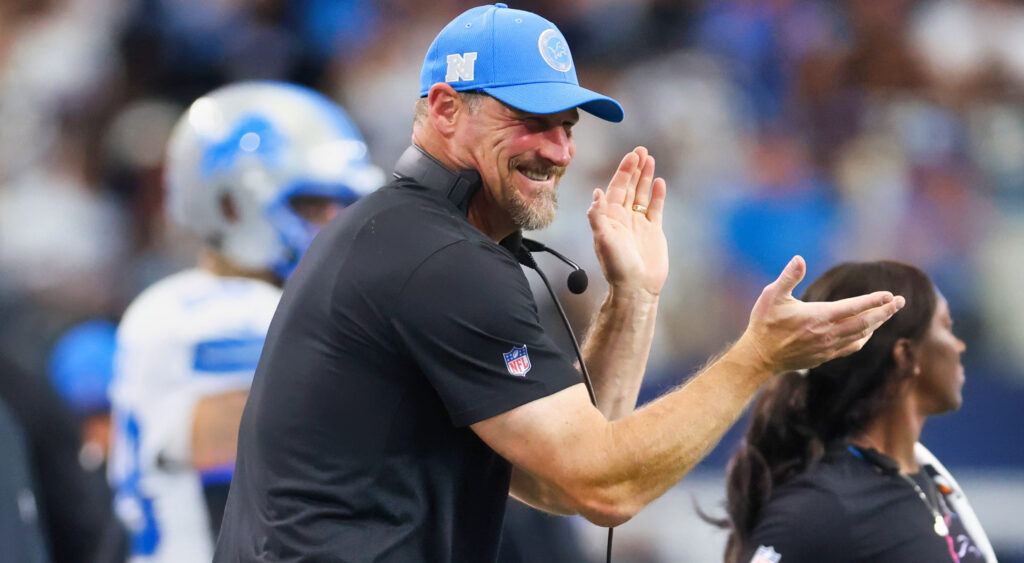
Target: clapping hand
x=626, y=220
x=788, y=334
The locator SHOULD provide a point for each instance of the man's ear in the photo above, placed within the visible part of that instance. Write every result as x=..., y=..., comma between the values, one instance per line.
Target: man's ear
x=444, y=107
x=904, y=352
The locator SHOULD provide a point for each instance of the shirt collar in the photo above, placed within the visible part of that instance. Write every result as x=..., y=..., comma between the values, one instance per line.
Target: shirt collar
x=457, y=186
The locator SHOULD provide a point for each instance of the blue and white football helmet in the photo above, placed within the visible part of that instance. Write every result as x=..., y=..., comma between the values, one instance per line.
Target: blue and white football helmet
x=260, y=144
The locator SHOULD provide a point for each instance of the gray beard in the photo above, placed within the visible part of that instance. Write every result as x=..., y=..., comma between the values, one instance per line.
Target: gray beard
x=527, y=217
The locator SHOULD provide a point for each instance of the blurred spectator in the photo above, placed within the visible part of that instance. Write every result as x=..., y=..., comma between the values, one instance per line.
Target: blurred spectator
x=74, y=503
x=81, y=367
x=789, y=210
x=21, y=536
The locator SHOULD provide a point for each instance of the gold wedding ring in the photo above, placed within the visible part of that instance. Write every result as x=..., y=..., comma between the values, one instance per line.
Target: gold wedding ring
x=640, y=208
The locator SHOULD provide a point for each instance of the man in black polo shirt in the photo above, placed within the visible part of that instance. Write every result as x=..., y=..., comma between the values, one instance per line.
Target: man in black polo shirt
x=406, y=385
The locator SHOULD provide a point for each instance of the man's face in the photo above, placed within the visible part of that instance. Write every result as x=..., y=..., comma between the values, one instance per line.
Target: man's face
x=521, y=157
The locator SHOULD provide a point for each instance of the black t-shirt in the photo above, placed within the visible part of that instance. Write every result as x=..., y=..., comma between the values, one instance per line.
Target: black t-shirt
x=854, y=507
x=402, y=325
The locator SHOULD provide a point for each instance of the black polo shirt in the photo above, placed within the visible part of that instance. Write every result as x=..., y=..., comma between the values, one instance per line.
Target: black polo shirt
x=402, y=325
x=854, y=507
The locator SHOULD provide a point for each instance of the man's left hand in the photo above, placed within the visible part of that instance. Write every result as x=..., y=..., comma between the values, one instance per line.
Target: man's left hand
x=626, y=221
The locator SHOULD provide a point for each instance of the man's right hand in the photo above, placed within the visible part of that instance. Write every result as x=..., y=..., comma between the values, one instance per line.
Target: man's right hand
x=569, y=458
x=786, y=334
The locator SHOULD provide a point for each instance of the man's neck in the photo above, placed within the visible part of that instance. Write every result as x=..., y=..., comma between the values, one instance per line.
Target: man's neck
x=219, y=265
x=482, y=215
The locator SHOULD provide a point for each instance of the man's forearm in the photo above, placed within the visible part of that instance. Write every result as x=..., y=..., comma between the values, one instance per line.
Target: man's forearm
x=528, y=489
x=677, y=431
x=641, y=456
x=616, y=350
x=215, y=428
x=617, y=347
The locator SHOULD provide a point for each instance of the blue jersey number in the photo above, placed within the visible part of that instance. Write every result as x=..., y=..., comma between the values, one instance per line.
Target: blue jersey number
x=135, y=508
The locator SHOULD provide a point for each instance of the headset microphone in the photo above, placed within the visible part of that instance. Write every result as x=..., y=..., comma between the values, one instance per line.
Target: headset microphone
x=577, y=281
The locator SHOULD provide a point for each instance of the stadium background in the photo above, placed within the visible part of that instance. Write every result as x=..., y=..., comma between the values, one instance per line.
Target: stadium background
x=840, y=130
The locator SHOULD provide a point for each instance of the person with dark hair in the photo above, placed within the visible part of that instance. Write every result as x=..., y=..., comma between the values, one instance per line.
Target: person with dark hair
x=831, y=468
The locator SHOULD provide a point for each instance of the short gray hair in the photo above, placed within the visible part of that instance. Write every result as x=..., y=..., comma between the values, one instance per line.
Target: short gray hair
x=472, y=99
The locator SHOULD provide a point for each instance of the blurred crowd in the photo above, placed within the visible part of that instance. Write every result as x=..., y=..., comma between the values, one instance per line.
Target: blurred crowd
x=839, y=130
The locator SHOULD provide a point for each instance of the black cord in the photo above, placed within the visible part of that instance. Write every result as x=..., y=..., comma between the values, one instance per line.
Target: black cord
x=527, y=259
x=572, y=336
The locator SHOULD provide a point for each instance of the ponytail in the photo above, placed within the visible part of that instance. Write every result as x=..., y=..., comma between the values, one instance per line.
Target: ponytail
x=778, y=445
x=796, y=417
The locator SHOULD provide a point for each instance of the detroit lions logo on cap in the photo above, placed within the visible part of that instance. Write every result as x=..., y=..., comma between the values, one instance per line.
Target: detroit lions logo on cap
x=517, y=360
x=554, y=50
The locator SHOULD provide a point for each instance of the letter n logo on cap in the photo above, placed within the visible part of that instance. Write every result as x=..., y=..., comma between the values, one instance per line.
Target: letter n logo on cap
x=460, y=67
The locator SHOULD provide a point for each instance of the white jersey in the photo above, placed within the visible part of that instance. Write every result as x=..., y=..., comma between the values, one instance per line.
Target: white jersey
x=191, y=335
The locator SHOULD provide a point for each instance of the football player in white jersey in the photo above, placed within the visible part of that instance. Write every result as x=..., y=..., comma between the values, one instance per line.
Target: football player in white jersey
x=254, y=169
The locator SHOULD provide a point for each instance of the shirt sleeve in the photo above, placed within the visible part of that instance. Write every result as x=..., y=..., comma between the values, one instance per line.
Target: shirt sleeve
x=803, y=524
x=468, y=319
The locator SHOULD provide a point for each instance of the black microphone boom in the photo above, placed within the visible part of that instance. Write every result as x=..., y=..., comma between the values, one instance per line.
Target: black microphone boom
x=577, y=281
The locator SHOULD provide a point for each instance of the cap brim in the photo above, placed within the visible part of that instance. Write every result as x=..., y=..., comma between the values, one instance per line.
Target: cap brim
x=553, y=97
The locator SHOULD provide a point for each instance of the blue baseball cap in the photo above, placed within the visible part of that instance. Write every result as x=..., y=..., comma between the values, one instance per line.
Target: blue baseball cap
x=514, y=56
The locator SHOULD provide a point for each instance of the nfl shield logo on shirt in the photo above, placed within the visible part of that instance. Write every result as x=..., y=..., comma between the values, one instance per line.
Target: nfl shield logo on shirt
x=517, y=361
x=766, y=555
